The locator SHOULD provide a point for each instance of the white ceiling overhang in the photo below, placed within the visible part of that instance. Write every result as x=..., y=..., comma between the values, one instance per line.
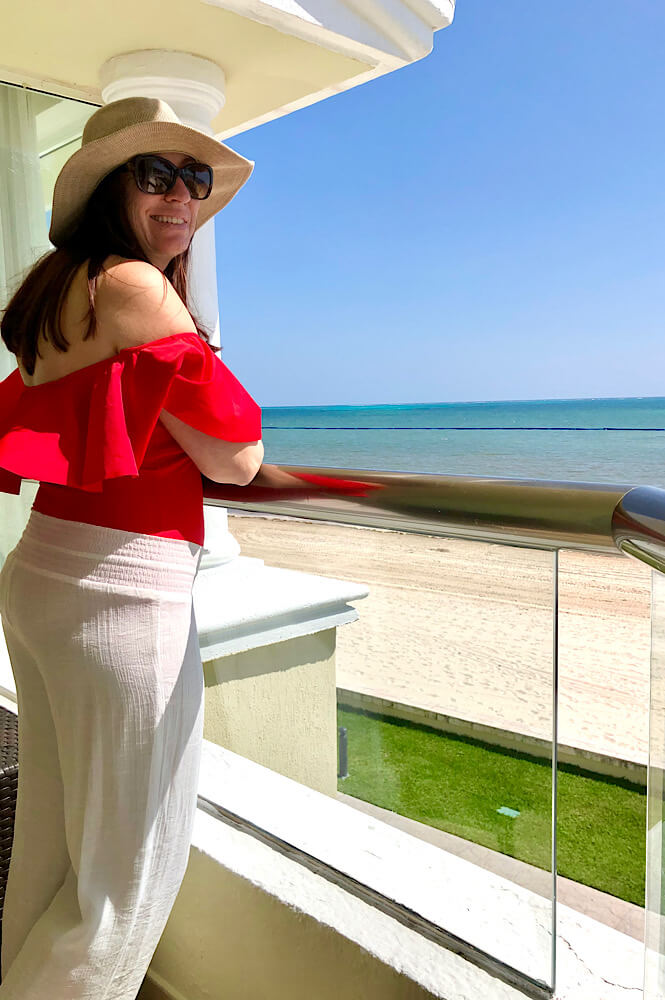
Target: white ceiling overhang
x=277, y=55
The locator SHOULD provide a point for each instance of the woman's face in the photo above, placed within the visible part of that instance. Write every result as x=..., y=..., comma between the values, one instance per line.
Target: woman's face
x=162, y=223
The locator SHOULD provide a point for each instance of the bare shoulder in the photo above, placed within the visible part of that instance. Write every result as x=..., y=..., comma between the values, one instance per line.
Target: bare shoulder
x=136, y=303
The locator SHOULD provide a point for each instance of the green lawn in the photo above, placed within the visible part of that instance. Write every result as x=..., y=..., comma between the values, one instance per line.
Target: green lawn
x=457, y=784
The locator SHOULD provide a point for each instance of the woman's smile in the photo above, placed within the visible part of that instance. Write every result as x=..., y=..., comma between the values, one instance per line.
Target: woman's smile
x=170, y=219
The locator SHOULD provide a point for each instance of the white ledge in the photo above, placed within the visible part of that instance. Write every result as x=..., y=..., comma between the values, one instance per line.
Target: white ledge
x=375, y=32
x=245, y=604
x=595, y=962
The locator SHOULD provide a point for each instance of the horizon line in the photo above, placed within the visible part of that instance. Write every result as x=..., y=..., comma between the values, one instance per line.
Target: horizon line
x=456, y=402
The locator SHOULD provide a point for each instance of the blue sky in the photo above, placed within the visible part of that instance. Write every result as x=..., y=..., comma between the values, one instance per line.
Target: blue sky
x=484, y=224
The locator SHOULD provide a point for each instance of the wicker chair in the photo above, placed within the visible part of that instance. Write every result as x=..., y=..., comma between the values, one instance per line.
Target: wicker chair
x=8, y=790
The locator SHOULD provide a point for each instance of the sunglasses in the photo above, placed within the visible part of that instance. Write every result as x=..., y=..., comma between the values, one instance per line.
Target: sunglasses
x=155, y=175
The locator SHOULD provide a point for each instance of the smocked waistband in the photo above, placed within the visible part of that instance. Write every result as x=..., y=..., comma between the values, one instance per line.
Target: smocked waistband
x=107, y=555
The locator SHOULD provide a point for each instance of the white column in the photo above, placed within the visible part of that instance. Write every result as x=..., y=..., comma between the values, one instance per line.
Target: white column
x=195, y=89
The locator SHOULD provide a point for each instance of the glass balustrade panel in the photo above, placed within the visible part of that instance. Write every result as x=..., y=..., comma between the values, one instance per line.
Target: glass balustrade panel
x=444, y=718
x=654, y=972
x=603, y=723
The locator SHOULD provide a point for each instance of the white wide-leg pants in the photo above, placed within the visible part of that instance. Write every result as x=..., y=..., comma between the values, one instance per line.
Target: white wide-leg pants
x=104, y=651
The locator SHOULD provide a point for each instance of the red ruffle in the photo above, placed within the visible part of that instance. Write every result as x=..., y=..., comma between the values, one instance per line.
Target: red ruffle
x=95, y=423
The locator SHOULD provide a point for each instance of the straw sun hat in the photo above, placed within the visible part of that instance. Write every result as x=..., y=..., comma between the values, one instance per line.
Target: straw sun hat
x=125, y=128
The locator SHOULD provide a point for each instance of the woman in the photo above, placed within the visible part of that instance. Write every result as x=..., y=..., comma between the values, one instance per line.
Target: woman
x=117, y=406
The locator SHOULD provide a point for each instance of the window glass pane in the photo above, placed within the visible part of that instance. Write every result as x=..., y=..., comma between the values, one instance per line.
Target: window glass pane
x=37, y=134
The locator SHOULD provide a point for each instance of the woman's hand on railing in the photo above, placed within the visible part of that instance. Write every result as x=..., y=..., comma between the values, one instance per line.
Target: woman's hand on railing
x=274, y=483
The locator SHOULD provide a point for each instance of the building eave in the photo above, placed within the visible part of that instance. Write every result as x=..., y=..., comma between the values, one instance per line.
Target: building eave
x=277, y=55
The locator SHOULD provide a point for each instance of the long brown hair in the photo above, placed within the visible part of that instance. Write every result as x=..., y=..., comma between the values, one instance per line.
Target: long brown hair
x=38, y=302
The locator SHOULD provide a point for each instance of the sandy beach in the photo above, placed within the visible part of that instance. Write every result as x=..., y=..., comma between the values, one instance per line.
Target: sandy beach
x=465, y=628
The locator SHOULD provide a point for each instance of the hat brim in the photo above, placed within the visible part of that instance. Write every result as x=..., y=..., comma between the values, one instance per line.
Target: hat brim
x=88, y=166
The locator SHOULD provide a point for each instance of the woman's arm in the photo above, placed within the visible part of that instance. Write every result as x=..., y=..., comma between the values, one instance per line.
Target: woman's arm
x=222, y=461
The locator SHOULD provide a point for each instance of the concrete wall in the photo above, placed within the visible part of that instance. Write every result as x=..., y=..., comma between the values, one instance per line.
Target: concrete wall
x=226, y=938
x=277, y=705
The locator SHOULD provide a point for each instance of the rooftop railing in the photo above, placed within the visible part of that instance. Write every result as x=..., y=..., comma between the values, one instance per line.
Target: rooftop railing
x=526, y=514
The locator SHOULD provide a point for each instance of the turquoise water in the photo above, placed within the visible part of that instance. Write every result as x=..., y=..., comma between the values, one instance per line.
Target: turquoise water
x=593, y=440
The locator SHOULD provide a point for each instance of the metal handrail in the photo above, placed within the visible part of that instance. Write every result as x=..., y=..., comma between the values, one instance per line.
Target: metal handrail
x=526, y=512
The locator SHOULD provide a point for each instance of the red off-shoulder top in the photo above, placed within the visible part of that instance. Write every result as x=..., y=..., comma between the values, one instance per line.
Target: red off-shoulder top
x=94, y=441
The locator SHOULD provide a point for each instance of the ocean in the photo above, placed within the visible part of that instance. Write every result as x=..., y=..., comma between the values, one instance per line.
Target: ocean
x=585, y=440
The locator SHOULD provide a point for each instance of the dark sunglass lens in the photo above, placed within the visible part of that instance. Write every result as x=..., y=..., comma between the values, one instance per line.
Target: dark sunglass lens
x=153, y=175
x=198, y=178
